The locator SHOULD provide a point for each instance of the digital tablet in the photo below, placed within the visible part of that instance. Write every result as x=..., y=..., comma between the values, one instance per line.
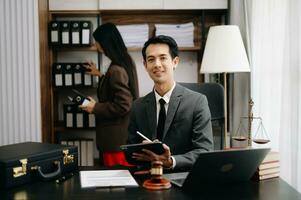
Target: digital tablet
x=79, y=98
x=156, y=147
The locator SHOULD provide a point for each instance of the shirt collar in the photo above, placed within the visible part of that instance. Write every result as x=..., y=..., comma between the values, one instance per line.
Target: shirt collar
x=166, y=96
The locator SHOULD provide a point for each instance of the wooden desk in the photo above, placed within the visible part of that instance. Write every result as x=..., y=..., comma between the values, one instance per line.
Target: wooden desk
x=275, y=189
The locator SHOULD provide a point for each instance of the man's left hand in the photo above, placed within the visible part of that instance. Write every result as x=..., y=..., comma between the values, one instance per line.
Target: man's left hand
x=150, y=156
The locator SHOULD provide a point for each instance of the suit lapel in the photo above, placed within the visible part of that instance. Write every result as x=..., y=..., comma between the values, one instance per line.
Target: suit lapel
x=151, y=110
x=173, y=107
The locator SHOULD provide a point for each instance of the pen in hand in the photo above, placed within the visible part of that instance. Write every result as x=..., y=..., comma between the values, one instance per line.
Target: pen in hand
x=143, y=136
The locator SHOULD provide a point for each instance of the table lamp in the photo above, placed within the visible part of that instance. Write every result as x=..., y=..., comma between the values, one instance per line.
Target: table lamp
x=224, y=53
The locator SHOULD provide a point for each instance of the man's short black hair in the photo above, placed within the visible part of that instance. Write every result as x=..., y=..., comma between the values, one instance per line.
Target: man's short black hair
x=162, y=39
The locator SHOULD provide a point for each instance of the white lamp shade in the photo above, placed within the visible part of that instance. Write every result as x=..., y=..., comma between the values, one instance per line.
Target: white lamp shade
x=224, y=51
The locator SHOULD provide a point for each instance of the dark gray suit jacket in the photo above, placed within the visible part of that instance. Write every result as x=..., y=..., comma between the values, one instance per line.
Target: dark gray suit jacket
x=187, y=130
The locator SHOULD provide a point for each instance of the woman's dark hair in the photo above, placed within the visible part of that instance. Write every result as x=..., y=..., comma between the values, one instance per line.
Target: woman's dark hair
x=162, y=39
x=109, y=38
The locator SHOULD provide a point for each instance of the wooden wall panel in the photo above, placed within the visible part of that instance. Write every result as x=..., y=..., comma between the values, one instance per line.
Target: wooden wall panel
x=45, y=73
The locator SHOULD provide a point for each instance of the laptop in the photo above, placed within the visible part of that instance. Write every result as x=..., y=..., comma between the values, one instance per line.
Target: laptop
x=220, y=167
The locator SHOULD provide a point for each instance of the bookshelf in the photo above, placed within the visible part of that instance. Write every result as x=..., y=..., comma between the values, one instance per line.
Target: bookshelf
x=52, y=122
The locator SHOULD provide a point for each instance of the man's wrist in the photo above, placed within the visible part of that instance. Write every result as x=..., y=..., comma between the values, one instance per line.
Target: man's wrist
x=173, y=162
x=170, y=164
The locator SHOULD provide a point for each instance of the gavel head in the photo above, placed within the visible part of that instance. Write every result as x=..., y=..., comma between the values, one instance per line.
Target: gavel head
x=156, y=169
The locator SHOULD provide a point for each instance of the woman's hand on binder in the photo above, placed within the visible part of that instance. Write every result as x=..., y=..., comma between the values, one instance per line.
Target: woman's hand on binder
x=89, y=107
x=92, y=69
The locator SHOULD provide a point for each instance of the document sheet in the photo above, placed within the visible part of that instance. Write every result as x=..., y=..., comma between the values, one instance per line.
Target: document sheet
x=107, y=178
x=182, y=33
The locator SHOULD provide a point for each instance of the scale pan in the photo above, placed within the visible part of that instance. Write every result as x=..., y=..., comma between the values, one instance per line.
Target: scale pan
x=261, y=141
x=239, y=138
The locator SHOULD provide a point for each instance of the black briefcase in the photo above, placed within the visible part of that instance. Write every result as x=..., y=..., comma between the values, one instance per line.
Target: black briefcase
x=32, y=161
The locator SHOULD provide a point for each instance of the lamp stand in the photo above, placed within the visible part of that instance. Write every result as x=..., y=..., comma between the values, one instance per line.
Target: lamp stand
x=225, y=109
x=250, y=120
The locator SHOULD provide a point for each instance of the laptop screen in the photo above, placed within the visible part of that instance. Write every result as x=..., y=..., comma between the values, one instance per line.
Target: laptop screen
x=220, y=167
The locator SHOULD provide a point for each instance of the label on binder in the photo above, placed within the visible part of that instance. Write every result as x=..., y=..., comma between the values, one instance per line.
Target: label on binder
x=69, y=120
x=68, y=79
x=58, y=80
x=54, y=36
x=65, y=37
x=75, y=37
x=91, y=120
x=77, y=78
x=88, y=79
x=83, y=145
x=86, y=36
x=79, y=120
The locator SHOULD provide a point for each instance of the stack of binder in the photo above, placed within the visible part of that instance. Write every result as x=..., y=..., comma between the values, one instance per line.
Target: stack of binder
x=70, y=75
x=269, y=168
x=182, y=33
x=134, y=35
x=74, y=117
x=70, y=33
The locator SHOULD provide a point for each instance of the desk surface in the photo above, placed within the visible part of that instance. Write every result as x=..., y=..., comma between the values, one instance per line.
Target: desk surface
x=275, y=189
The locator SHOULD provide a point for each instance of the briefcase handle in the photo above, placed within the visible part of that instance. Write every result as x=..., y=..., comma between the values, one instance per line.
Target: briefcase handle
x=49, y=175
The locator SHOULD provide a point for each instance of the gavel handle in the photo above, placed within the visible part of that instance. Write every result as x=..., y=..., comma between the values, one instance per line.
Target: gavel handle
x=141, y=172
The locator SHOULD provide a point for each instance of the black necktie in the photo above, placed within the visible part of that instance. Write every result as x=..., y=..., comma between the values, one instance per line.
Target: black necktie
x=161, y=121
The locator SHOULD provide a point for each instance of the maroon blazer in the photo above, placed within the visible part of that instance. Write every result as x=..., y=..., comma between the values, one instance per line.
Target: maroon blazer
x=112, y=110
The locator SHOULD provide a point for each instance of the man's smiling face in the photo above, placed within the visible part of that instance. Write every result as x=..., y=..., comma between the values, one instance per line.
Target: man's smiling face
x=159, y=63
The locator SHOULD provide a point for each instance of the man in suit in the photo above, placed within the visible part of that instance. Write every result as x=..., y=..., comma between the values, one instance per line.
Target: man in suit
x=181, y=120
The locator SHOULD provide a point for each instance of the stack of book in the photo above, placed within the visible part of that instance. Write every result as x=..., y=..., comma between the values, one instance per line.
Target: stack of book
x=269, y=168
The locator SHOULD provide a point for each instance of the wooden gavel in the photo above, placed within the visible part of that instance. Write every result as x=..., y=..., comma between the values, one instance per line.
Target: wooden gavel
x=156, y=182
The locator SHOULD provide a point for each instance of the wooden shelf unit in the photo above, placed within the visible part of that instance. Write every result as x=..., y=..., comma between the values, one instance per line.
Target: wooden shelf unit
x=130, y=49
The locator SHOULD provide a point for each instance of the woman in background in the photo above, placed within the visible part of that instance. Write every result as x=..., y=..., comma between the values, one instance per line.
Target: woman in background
x=116, y=91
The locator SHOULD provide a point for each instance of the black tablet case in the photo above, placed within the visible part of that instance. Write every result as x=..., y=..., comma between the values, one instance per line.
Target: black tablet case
x=156, y=147
x=32, y=161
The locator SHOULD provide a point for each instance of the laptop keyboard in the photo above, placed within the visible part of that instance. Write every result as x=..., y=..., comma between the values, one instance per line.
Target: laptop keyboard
x=178, y=182
x=176, y=178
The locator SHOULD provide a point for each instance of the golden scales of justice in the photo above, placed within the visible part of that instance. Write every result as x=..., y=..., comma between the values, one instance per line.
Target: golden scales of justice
x=260, y=136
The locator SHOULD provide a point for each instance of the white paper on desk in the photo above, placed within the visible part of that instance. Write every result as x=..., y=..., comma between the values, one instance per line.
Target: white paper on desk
x=107, y=178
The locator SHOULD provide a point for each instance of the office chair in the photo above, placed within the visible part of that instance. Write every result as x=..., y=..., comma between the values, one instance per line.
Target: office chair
x=215, y=96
